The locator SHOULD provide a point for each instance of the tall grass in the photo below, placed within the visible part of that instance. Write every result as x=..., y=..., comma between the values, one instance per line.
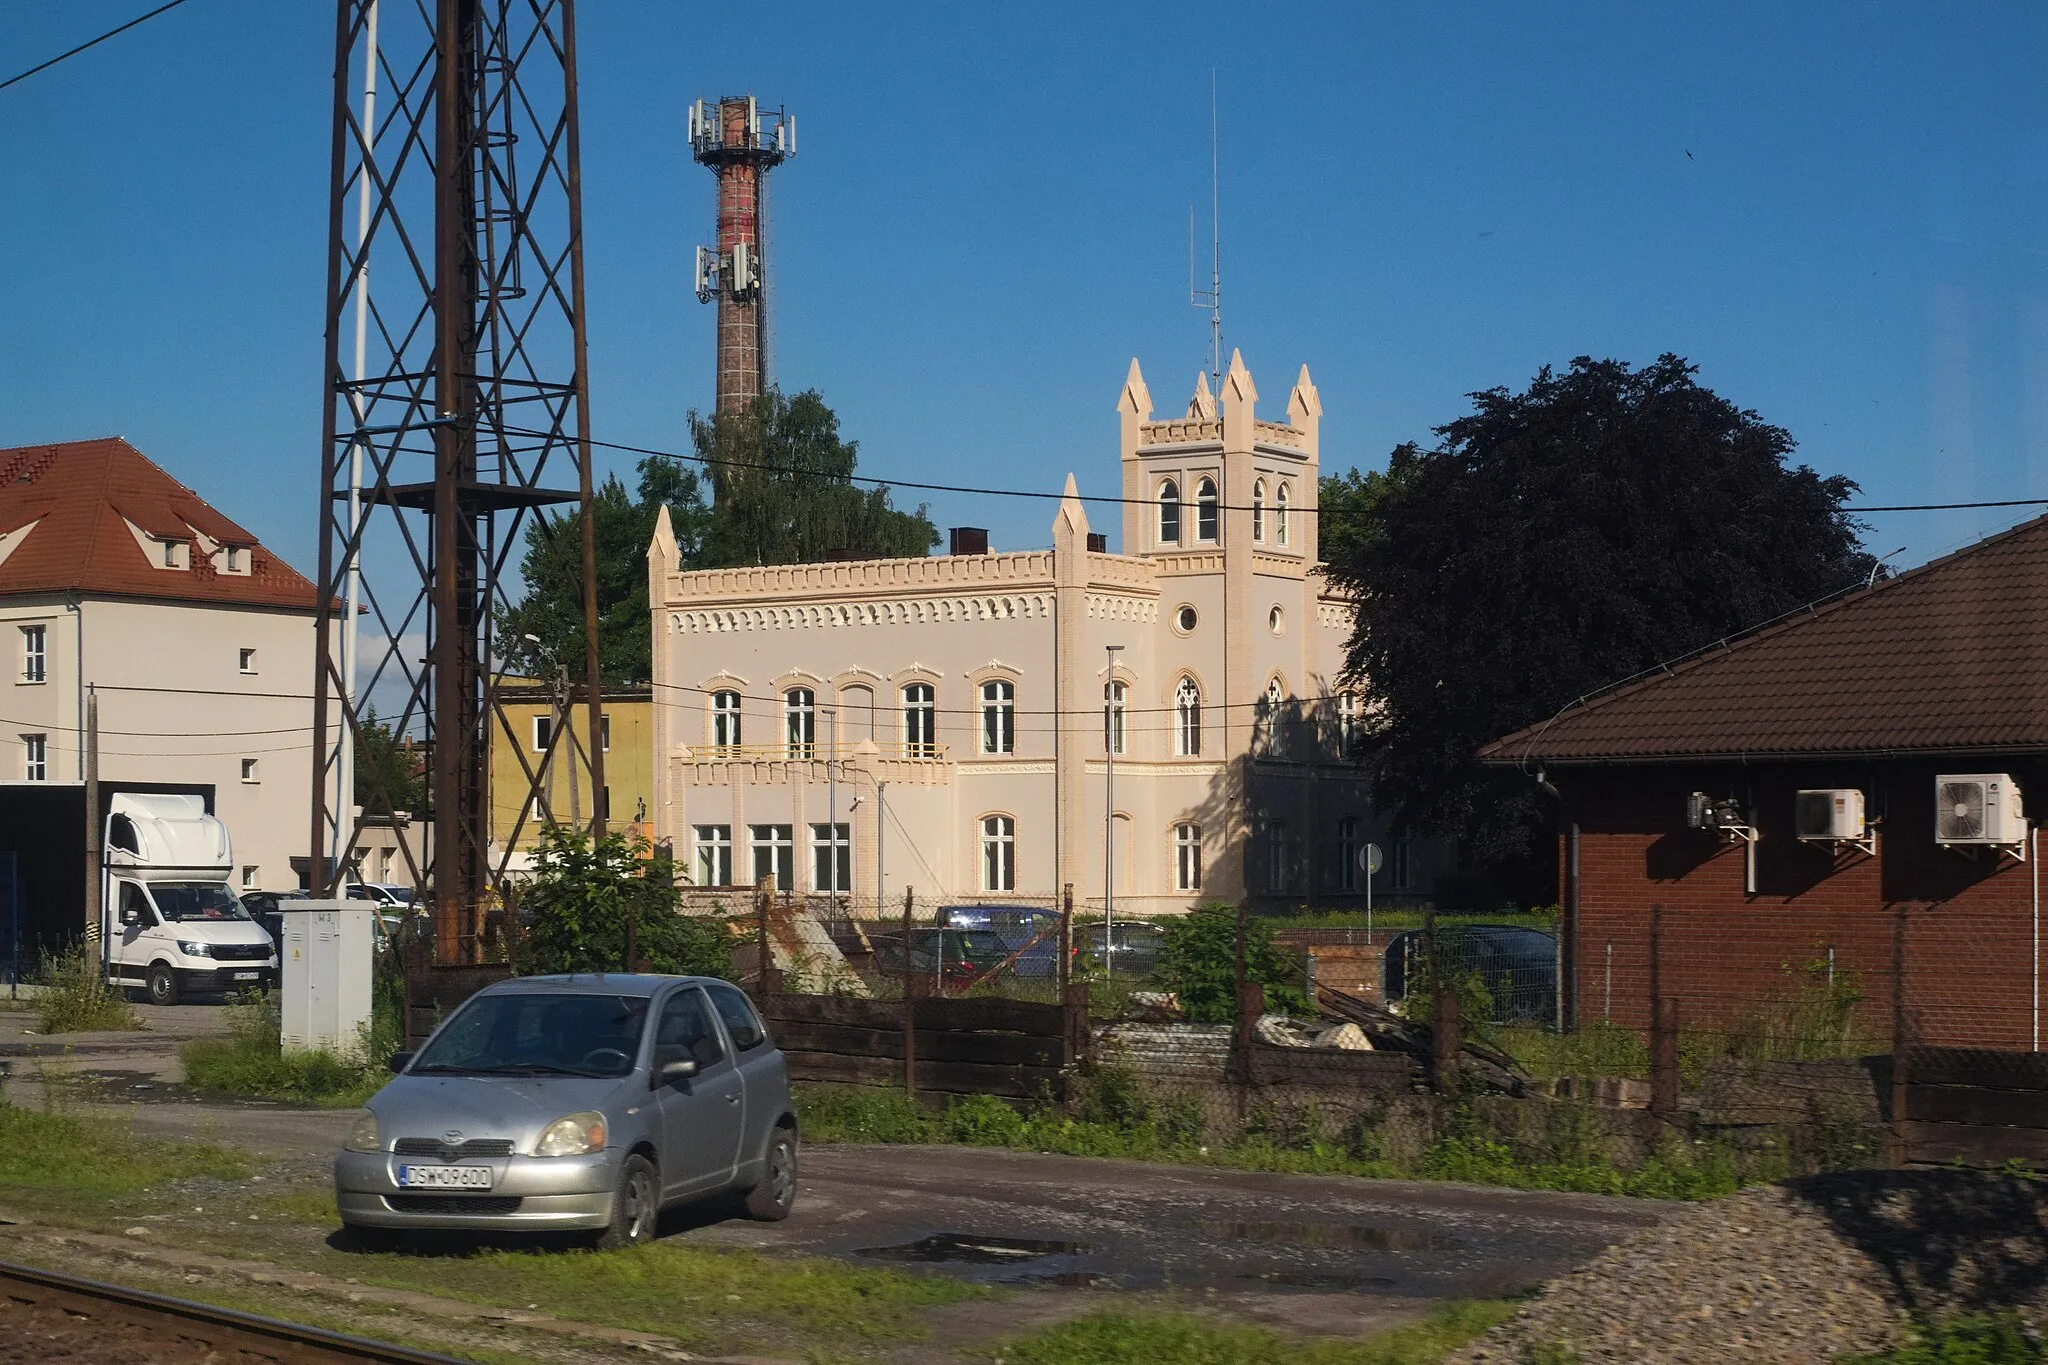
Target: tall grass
x=76, y=997
x=251, y=1061
x=1121, y=1338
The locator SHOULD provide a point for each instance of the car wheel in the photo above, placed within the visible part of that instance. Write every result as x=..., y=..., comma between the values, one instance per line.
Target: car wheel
x=163, y=985
x=636, y=1204
x=771, y=1200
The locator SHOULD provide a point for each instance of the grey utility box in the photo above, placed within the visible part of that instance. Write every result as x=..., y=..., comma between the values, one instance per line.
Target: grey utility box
x=325, y=963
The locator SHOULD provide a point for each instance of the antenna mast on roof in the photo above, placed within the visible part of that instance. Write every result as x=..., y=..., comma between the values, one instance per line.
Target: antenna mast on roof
x=1212, y=297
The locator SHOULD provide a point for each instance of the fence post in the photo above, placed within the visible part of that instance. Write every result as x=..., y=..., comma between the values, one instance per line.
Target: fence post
x=1064, y=973
x=767, y=974
x=1445, y=1041
x=1901, y=1041
x=1664, y=1058
x=910, y=993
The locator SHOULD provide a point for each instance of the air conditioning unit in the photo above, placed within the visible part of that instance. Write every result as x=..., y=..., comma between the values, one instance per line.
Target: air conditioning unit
x=1977, y=810
x=1706, y=812
x=1829, y=815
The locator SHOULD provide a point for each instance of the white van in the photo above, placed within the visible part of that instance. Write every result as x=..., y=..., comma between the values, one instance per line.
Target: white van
x=169, y=921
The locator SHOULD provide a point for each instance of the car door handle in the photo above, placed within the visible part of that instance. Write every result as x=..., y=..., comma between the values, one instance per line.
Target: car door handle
x=732, y=1099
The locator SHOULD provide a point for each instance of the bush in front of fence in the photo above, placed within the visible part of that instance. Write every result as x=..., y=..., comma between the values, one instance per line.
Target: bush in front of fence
x=590, y=897
x=1198, y=963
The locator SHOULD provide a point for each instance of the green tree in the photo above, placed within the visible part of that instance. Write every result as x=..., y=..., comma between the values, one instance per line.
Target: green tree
x=782, y=492
x=1198, y=962
x=585, y=896
x=390, y=773
x=623, y=526
x=1552, y=542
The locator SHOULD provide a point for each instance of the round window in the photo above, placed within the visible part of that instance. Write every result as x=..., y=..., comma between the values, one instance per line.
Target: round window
x=1184, y=620
x=1276, y=621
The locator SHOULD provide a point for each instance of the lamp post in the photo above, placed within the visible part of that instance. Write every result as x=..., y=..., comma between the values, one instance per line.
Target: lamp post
x=1113, y=720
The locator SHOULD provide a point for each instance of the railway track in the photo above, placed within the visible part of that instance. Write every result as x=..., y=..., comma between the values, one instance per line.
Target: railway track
x=45, y=1316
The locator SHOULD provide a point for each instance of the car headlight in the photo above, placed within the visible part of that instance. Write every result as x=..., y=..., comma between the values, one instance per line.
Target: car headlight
x=196, y=949
x=363, y=1135
x=572, y=1135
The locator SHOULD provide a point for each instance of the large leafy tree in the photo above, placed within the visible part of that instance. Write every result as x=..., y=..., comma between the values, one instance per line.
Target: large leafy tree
x=390, y=773
x=1552, y=542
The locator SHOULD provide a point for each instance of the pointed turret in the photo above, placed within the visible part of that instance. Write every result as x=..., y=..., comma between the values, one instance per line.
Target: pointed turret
x=1070, y=523
x=1203, y=405
x=1240, y=397
x=1305, y=410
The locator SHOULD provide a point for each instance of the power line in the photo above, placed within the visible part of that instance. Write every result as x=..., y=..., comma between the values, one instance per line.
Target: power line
x=110, y=33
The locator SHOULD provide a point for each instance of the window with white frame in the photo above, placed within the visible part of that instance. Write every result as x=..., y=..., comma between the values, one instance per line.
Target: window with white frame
x=1347, y=724
x=1205, y=510
x=774, y=854
x=920, y=721
x=35, y=654
x=35, y=758
x=1187, y=719
x=1115, y=700
x=249, y=878
x=543, y=733
x=999, y=717
x=604, y=731
x=249, y=770
x=725, y=719
x=832, y=858
x=998, y=853
x=799, y=721
x=1187, y=857
x=1272, y=720
x=247, y=660
x=1280, y=500
x=234, y=558
x=170, y=554
x=714, y=854
x=1259, y=510
x=1169, y=513
x=1347, y=853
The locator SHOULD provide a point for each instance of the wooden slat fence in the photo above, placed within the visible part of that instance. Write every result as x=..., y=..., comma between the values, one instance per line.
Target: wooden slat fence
x=1012, y=1048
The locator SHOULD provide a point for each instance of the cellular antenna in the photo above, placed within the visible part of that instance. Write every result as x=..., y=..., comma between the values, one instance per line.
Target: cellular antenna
x=1212, y=297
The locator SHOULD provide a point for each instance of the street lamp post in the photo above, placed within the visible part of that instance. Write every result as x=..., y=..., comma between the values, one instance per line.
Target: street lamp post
x=1112, y=719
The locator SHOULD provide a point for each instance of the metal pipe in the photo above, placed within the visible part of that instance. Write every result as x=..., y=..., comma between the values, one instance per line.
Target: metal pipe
x=2035, y=835
x=345, y=749
x=1109, y=821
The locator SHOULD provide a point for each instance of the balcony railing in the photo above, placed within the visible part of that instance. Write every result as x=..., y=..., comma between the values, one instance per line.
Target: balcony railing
x=818, y=753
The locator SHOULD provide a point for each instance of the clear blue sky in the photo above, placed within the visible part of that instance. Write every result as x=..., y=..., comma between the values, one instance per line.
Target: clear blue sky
x=988, y=218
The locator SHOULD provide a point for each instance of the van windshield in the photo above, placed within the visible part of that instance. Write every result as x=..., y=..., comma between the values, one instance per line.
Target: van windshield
x=184, y=902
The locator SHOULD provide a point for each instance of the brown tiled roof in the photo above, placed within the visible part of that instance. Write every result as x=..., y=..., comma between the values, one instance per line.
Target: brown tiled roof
x=83, y=495
x=1951, y=657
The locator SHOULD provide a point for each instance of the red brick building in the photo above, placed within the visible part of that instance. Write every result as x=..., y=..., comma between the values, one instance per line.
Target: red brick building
x=1939, y=673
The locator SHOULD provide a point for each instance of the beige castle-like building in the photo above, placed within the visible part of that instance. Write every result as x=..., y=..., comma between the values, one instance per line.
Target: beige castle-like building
x=958, y=724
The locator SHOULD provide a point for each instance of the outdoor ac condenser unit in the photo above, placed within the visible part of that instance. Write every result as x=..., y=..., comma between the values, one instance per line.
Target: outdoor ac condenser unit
x=1978, y=809
x=1828, y=815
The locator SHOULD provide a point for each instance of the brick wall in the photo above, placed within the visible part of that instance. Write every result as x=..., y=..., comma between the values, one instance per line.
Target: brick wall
x=1970, y=957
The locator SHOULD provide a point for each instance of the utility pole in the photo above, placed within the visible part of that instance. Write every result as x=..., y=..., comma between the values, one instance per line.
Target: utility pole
x=1109, y=739
x=93, y=853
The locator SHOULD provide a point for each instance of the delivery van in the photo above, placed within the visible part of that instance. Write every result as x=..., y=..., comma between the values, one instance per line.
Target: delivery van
x=169, y=922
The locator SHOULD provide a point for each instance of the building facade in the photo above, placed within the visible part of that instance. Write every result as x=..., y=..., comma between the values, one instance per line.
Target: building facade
x=1166, y=721
x=531, y=713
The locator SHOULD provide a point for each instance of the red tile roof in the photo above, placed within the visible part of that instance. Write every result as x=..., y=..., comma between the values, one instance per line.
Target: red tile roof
x=81, y=498
x=1951, y=657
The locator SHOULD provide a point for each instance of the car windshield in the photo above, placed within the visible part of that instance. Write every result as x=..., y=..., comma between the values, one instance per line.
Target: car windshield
x=186, y=902
x=530, y=1034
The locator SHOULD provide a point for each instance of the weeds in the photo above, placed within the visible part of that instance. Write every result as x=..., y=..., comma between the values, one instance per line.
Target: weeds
x=1114, y=1338
x=77, y=998
x=1975, y=1339
x=53, y=1151
x=252, y=1063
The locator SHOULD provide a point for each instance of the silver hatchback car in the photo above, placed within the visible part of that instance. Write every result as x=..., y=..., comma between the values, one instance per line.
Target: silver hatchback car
x=576, y=1103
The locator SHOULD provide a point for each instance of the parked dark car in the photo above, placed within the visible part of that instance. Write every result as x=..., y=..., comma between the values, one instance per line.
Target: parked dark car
x=262, y=907
x=1016, y=926
x=1517, y=966
x=960, y=956
x=1130, y=948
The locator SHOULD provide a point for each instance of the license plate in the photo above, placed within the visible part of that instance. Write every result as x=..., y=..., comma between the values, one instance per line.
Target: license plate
x=247, y=976
x=444, y=1177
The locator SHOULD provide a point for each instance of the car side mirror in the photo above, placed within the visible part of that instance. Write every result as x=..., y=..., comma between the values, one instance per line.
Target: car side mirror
x=400, y=1061
x=679, y=1070
x=130, y=916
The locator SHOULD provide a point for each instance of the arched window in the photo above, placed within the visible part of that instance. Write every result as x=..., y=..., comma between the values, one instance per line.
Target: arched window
x=1280, y=501
x=1187, y=857
x=1205, y=510
x=998, y=853
x=1271, y=729
x=1259, y=511
x=1347, y=853
x=800, y=721
x=999, y=717
x=1114, y=697
x=920, y=721
x=725, y=720
x=1347, y=724
x=1169, y=513
x=1187, y=719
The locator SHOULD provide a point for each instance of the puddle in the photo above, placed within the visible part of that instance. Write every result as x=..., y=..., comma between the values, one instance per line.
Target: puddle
x=1335, y=1236
x=960, y=1248
x=1315, y=1279
x=1071, y=1279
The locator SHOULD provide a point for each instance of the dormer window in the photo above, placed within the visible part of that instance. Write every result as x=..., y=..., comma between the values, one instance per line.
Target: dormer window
x=170, y=554
x=1205, y=510
x=234, y=559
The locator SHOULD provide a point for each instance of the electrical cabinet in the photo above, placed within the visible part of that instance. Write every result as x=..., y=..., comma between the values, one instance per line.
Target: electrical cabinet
x=325, y=963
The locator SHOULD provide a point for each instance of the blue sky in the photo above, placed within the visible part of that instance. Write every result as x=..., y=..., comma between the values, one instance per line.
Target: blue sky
x=988, y=218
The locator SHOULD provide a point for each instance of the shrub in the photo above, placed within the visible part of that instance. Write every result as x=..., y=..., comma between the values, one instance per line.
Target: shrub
x=983, y=1121
x=586, y=894
x=77, y=998
x=1974, y=1339
x=1198, y=962
x=252, y=1062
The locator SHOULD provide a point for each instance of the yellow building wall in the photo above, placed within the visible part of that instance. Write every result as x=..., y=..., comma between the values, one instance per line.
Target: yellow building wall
x=628, y=767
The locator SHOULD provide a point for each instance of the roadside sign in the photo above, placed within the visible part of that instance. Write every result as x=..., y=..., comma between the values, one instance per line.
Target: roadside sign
x=1371, y=859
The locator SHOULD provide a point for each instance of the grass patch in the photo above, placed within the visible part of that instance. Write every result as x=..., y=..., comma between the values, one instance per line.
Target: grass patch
x=1973, y=1339
x=52, y=1151
x=703, y=1297
x=78, y=998
x=1115, y=1338
x=251, y=1063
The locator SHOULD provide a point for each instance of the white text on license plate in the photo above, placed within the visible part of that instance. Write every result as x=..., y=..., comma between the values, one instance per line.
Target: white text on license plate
x=247, y=976
x=444, y=1177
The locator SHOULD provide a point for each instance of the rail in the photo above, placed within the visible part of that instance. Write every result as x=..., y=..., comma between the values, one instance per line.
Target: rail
x=817, y=753
x=102, y=1318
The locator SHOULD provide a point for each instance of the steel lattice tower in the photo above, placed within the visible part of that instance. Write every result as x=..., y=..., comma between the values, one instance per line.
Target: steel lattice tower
x=456, y=411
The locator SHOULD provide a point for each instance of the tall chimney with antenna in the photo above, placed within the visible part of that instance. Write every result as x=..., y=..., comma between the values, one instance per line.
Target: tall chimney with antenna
x=740, y=142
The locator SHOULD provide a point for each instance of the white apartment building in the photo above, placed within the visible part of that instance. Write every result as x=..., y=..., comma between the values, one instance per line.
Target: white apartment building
x=963, y=724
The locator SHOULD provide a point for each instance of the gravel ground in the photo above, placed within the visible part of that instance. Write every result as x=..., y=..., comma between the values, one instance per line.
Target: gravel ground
x=1796, y=1273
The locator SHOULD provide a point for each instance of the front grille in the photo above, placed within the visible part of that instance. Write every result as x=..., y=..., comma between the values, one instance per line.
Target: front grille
x=461, y=1151
x=462, y=1204
x=242, y=952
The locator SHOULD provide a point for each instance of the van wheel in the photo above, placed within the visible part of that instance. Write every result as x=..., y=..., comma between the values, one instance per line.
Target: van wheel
x=163, y=985
x=636, y=1206
x=771, y=1200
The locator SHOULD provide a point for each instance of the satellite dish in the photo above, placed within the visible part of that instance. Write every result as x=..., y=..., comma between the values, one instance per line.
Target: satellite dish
x=1371, y=859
